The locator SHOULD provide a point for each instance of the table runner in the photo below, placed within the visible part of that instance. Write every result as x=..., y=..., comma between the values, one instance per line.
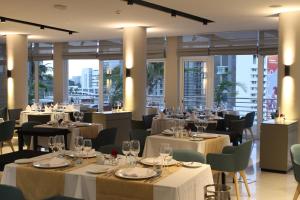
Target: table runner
x=49, y=181
x=114, y=188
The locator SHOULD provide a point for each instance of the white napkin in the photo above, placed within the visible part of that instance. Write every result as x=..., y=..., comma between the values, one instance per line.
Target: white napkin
x=132, y=172
x=161, y=115
x=34, y=107
x=55, y=106
x=28, y=108
x=53, y=162
x=48, y=109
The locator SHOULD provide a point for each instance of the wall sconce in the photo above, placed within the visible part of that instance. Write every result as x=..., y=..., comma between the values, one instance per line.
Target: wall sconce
x=8, y=73
x=128, y=72
x=287, y=70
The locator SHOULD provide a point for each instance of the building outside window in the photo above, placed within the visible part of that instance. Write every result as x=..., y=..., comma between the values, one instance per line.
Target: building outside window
x=155, y=83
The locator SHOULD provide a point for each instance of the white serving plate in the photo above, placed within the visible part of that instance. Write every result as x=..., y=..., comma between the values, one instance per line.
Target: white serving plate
x=196, y=139
x=44, y=164
x=89, y=155
x=192, y=164
x=98, y=169
x=207, y=135
x=168, y=132
x=135, y=173
x=157, y=161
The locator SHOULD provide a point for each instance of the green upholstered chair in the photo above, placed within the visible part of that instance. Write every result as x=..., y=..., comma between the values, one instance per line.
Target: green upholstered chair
x=140, y=135
x=295, y=154
x=11, y=193
x=188, y=156
x=233, y=159
x=6, y=133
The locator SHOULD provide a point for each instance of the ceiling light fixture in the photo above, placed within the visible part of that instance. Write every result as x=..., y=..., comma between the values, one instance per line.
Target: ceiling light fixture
x=169, y=10
x=2, y=20
x=41, y=26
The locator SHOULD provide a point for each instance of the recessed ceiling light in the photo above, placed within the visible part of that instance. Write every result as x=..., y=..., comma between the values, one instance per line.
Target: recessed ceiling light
x=275, y=6
x=60, y=6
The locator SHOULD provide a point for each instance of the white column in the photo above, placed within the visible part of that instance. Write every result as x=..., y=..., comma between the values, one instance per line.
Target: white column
x=17, y=62
x=60, y=80
x=134, y=53
x=289, y=54
x=171, y=74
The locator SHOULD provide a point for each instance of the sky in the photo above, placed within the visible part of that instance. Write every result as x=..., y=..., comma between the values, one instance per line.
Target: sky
x=75, y=66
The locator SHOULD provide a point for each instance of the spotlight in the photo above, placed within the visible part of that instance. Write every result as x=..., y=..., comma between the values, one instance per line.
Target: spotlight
x=204, y=22
x=42, y=27
x=173, y=13
x=70, y=32
x=128, y=72
x=8, y=73
x=2, y=20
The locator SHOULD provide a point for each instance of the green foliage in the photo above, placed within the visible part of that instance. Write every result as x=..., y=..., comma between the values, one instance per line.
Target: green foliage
x=116, y=90
x=155, y=73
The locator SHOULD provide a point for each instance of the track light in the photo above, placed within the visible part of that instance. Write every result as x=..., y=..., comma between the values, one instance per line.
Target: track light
x=42, y=27
x=2, y=20
x=173, y=13
x=70, y=32
x=287, y=70
x=8, y=73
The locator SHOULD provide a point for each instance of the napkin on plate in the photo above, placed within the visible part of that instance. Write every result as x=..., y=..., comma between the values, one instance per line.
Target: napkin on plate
x=48, y=109
x=55, y=107
x=28, y=108
x=52, y=162
x=132, y=172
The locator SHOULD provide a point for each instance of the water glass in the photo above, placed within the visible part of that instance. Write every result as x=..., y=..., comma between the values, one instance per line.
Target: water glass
x=126, y=148
x=164, y=151
x=51, y=143
x=87, y=146
x=134, y=148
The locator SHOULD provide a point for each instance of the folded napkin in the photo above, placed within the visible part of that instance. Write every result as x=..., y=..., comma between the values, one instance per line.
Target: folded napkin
x=52, y=162
x=134, y=172
x=28, y=108
x=34, y=107
x=168, y=131
x=55, y=107
x=48, y=109
x=161, y=115
x=70, y=107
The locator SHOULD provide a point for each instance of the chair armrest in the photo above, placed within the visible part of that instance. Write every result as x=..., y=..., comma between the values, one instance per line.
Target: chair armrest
x=221, y=162
x=229, y=149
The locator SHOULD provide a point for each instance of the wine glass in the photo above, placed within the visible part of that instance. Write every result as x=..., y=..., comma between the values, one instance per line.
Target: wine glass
x=51, y=143
x=164, y=152
x=60, y=143
x=198, y=125
x=134, y=148
x=205, y=125
x=78, y=143
x=87, y=146
x=80, y=116
x=126, y=148
x=76, y=115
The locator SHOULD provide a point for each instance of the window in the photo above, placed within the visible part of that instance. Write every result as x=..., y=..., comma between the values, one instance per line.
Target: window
x=83, y=82
x=194, y=83
x=236, y=88
x=45, y=82
x=155, y=83
x=112, y=83
x=270, y=86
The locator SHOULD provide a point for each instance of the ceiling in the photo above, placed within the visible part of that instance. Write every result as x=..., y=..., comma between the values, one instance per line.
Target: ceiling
x=97, y=19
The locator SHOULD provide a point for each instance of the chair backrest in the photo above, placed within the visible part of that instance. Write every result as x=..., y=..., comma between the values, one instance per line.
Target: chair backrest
x=140, y=135
x=237, y=127
x=135, y=124
x=11, y=193
x=43, y=119
x=14, y=114
x=109, y=148
x=242, y=155
x=29, y=125
x=249, y=119
x=7, y=130
x=147, y=119
x=87, y=117
x=3, y=113
x=188, y=156
x=105, y=137
x=228, y=118
x=295, y=156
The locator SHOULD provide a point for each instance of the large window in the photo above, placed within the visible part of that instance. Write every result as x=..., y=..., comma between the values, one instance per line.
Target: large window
x=270, y=86
x=112, y=83
x=236, y=82
x=83, y=82
x=45, y=83
x=155, y=83
x=194, y=78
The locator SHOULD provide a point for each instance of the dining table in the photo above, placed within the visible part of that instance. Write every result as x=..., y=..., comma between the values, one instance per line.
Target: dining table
x=176, y=182
x=204, y=143
x=62, y=115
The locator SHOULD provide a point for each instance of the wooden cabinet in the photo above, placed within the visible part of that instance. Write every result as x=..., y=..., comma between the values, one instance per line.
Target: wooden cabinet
x=120, y=120
x=276, y=138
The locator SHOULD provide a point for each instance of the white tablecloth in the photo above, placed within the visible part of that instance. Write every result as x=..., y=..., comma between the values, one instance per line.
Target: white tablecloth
x=153, y=143
x=184, y=184
x=74, y=131
x=24, y=115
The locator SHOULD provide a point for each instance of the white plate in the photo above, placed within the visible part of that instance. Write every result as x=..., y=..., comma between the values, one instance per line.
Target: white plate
x=196, y=139
x=192, y=164
x=97, y=169
x=45, y=164
x=90, y=155
x=24, y=161
x=207, y=135
x=135, y=173
x=157, y=160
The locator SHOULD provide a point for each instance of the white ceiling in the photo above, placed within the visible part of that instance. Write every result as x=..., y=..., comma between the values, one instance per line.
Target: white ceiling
x=97, y=19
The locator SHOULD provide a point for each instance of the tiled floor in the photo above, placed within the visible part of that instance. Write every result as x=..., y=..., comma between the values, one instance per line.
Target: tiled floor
x=263, y=185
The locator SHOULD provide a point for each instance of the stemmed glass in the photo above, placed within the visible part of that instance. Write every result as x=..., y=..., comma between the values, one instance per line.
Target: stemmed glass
x=78, y=148
x=164, y=151
x=198, y=125
x=134, y=149
x=87, y=146
x=76, y=116
x=204, y=125
x=126, y=148
x=51, y=143
x=80, y=116
x=60, y=143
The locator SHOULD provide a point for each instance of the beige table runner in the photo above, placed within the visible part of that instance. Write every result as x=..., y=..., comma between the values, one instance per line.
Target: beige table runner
x=50, y=182
x=114, y=188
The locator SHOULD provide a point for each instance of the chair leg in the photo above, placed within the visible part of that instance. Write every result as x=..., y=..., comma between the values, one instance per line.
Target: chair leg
x=11, y=145
x=297, y=192
x=243, y=174
x=236, y=185
x=251, y=132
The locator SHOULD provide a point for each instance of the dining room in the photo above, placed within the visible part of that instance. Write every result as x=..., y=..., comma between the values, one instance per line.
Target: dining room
x=148, y=99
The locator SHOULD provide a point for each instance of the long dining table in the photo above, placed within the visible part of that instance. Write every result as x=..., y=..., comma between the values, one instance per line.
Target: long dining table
x=175, y=183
